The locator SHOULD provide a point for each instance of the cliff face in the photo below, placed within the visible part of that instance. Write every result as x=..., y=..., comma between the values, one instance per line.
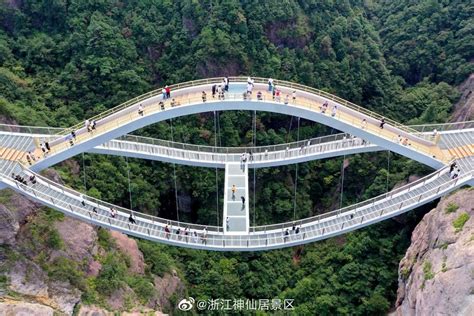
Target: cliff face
x=46, y=259
x=436, y=276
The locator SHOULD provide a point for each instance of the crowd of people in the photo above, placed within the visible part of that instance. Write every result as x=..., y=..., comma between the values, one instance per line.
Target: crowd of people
x=21, y=179
x=186, y=234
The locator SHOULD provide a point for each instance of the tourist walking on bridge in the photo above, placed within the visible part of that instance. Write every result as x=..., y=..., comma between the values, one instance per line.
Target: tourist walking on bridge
x=87, y=125
x=214, y=89
x=334, y=110
x=324, y=107
x=277, y=95
x=163, y=93
x=270, y=84
x=452, y=166
x=382, y=122
x=131, y=219
x=69, y=138
x=204, y=236
x=168, y=92
x=113, y=212
x=226, y=84
x=234, y=189
x=249, y=88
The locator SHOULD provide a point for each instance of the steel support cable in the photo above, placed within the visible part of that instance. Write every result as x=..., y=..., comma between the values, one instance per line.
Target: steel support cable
x=342, y=181
x=254, y=144
x=174, y=175
x=129, y=183
x=388, y=168
x=217, y=180
x=84, y=172
x=219, y=129
x=289, y=129
x=296, y=171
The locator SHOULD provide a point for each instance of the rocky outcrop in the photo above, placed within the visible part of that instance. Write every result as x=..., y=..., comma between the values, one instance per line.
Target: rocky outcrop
x=464, y=108
x=166, y=286
x=64, y=296
x=436, y=276
x=80, y=240
x=97, y=311
x=8, y=226
x=129, y=246
x=36, y=292
x=120, y=298
x=24, y=308
x=28, y=278
x=14, y=212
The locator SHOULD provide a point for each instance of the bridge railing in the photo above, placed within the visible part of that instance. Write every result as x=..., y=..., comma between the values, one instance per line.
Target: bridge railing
x=24, y=129
x=264, y=228
x=242, y=79
x=187, y=100
x=106, y=206
x=235, y=150
x=221, y=158
x=354, y=207
x=441, y=127
x=220, y=241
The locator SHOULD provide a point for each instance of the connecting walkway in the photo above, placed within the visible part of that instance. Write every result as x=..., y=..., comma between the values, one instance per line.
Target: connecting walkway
x=236, y=199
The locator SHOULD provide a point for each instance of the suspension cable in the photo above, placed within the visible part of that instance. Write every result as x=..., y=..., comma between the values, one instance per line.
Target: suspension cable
x=296, y=171
x=129, y=183
x=254, y=144
x=219, y=129
x=289, y=129
x=84, y=172
x=174, y=175
x=217, y=180
x=388, y=168
x=342, y=181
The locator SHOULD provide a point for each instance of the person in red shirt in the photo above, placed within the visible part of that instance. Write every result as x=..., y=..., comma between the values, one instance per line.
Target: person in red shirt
x=168, y=92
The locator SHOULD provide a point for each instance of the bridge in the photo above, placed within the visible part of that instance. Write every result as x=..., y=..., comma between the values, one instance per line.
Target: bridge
x=362, y=129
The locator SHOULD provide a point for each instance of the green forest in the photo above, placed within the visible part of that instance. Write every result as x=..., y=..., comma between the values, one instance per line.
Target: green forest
x=62, y=61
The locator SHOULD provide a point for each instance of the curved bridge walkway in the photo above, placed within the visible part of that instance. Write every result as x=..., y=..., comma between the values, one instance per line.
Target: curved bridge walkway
x=432, y=149
x=319, y=227
x=199, y=155
x=309, y=104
